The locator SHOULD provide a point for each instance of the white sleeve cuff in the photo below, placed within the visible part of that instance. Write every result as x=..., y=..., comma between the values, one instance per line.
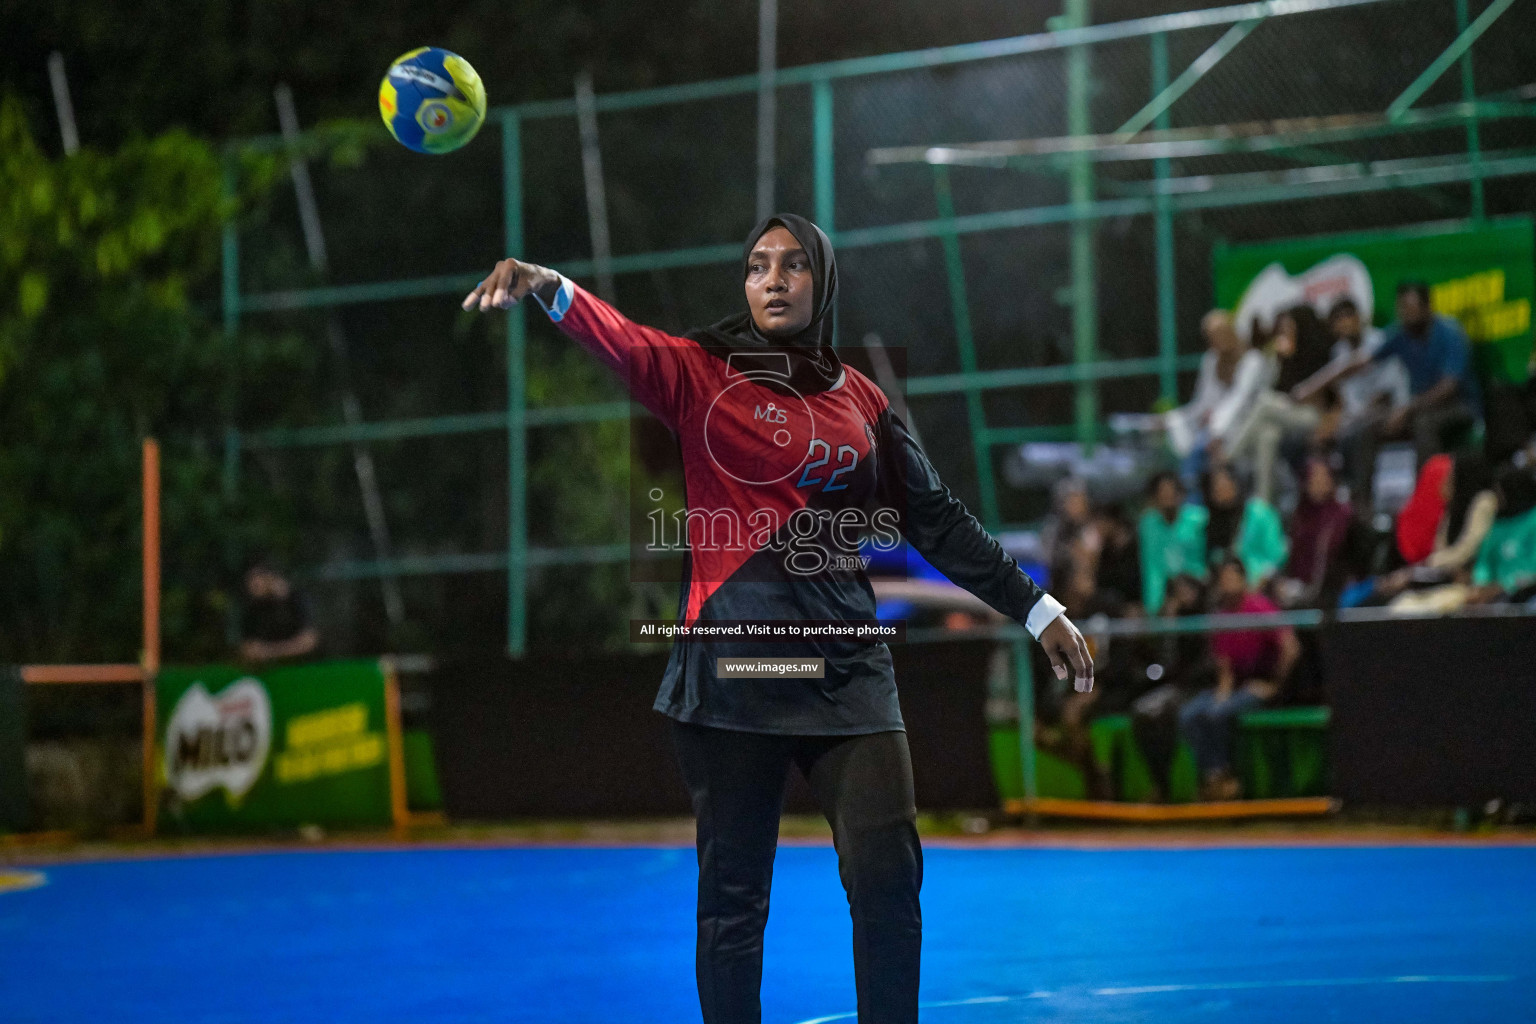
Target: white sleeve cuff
x=1043, y=614
x=561, y=303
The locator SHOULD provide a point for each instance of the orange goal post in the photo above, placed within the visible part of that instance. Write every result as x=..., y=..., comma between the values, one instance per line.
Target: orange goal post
x=141, y=673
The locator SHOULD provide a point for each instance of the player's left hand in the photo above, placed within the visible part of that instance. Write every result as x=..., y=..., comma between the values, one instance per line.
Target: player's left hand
x=1065, y=646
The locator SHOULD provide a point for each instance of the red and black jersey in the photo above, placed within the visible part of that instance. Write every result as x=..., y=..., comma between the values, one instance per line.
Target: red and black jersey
x=780, y=487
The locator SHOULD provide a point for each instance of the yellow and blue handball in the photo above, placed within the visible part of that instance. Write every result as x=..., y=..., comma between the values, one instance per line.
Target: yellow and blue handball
x=432, y=101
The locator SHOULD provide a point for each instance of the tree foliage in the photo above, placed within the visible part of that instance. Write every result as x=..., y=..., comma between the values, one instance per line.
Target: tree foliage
x=106, y=262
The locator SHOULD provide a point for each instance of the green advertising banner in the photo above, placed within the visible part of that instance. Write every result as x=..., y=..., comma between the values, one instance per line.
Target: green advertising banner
x=1484, y=275
x=275, y=747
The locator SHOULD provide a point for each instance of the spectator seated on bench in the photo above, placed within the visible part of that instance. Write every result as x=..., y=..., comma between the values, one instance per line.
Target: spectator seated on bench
x=1245, y=527
x=1172, y=538
x=1505, y=572
x=1446, y=397
x=1251, y=668
x=1318, y=532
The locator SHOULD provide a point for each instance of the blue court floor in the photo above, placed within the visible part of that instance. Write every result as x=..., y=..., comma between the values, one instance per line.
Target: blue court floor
x=571, y=936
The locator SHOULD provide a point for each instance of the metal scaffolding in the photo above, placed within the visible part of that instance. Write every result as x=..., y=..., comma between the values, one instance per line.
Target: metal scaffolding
x=1146, y=135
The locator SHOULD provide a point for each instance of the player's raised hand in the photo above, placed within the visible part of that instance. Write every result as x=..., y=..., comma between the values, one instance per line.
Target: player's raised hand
x=505, y=285
x=1067, y=649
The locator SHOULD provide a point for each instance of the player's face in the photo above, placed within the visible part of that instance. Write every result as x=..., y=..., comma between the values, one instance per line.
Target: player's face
x=780, y=285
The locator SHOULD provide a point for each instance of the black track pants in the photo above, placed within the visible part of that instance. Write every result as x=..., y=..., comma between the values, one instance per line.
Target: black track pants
x=864, y=787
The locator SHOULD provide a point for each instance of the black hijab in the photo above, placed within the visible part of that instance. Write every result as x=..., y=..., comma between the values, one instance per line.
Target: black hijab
x=1470, y=476
x=1225, y=521
x=1314, y=348
x=1517, y=491
x=812, y=362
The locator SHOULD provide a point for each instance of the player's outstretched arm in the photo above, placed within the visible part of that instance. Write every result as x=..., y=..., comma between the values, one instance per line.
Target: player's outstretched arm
x=650, y=362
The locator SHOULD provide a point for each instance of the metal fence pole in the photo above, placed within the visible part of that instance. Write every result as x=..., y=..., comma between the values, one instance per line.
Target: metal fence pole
x=821, y=159
x=1474, y=131
x=517, y=433
x=767, y=110
x=230, y=251
x=821, y=143
x=1024, y=692
x=1167, y=339
x=1084, y=288
x=959, y=306
x=230, y=293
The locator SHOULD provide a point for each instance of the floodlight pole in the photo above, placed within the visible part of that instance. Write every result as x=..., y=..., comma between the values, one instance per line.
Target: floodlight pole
x=1167, y=292
x=69, y=133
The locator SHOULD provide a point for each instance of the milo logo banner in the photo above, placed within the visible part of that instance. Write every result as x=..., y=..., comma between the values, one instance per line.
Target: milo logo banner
x=275, y=747
x=1481, y=275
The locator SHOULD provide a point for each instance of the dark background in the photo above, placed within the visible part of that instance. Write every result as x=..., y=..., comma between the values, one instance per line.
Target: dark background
x=578, y=737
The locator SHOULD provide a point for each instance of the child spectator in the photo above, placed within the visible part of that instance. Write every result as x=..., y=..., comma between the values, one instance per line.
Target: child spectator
x=1252, y=665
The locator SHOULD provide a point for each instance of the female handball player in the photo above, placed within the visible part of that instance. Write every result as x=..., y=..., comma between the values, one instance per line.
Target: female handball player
x=788, y=459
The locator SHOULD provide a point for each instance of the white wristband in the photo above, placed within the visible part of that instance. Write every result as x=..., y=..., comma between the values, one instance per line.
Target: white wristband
x=561, y=303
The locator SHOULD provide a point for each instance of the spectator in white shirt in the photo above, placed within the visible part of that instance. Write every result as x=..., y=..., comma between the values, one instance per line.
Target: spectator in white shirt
x=1231, y=378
